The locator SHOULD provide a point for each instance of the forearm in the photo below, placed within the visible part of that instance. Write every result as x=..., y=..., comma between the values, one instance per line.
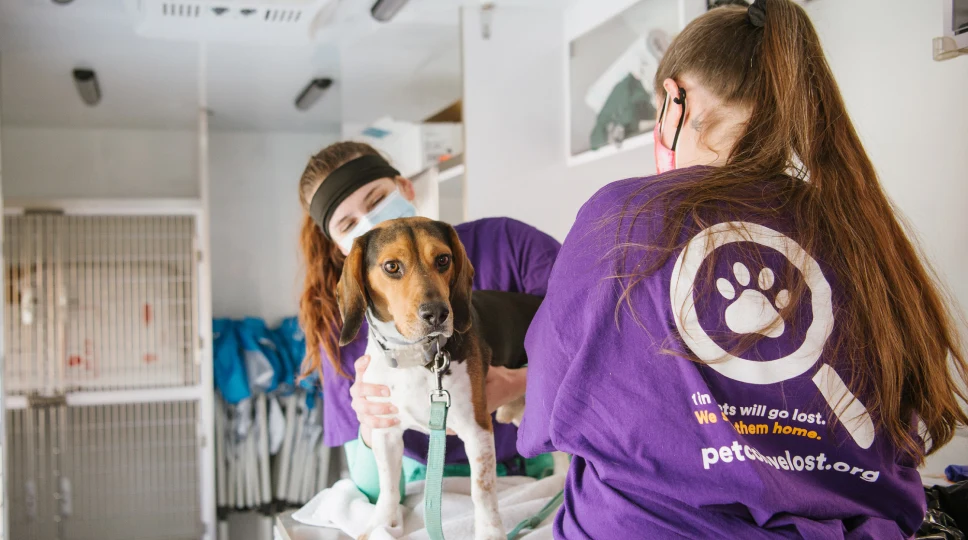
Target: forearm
x=504, y=386
x=518, y=383
x=361, y=462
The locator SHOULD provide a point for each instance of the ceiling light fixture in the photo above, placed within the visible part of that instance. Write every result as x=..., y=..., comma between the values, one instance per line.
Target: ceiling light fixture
x=384, y=10
x=311, y=94
x=87, y=86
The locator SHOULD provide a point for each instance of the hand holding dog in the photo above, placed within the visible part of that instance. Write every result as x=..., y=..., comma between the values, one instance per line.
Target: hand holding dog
x=371, y=414
x=503, y=385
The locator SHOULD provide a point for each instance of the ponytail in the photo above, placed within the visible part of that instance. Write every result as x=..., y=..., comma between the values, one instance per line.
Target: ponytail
x=318, y=310
x=895, y=333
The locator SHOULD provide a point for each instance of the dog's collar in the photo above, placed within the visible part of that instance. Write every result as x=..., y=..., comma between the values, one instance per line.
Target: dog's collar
x=389, y=344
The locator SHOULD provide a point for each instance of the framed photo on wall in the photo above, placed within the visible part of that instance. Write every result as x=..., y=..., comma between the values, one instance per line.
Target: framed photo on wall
x=611, y=68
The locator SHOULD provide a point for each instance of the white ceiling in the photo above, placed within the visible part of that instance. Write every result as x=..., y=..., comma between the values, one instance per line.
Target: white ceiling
x=150, y=84
x=408, y=68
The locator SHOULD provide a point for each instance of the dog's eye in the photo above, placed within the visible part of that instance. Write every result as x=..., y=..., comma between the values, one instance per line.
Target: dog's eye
x=391, y=267
x=443, y=261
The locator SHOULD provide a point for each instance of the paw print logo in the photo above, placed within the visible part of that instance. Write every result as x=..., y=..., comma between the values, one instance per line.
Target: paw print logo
x=753, y=311
x=754, y=308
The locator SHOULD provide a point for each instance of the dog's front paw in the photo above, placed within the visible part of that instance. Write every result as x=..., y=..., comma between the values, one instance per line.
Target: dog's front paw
x=371, y=528
x=489, y=533
x=382, y=519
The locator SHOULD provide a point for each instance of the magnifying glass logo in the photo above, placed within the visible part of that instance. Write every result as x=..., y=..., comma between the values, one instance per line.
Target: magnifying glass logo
x=849, y=411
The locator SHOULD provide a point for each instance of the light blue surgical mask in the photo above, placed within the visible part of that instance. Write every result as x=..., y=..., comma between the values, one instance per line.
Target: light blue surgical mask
x=393, y=206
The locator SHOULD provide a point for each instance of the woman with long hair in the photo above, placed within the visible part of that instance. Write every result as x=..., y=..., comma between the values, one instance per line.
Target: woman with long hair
x=346, y=189
x=747, y=345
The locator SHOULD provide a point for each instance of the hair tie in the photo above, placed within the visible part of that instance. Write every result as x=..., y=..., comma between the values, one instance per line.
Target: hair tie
x=756, y=13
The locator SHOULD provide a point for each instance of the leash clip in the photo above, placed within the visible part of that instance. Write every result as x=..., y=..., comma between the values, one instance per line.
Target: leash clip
x=441, y=363
x=440, y=396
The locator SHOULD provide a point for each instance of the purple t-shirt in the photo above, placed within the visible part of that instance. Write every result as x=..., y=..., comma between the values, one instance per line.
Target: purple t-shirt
x=665, y=447
x=507, y=256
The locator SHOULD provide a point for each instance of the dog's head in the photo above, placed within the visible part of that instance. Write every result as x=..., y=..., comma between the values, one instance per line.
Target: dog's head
x=411, y=271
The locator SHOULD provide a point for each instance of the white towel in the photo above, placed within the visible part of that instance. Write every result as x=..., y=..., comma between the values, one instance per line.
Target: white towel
x=344, y=507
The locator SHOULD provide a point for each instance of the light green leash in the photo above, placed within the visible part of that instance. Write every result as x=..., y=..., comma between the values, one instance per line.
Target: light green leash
x=433, y=490
x=532, y=522
x=439, y=403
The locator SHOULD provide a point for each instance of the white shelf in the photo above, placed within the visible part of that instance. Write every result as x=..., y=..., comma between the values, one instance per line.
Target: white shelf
x=119, y=397
x=449, y=174
x=639, y=141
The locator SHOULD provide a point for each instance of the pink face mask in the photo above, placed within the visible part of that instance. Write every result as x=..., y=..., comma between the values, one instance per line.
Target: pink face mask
x=665, y=158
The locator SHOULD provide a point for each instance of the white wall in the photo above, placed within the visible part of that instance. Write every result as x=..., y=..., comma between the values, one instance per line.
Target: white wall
x=515, y=131
x=910, y=112
x=99, y=163
x=255, y=220
x=451, y=201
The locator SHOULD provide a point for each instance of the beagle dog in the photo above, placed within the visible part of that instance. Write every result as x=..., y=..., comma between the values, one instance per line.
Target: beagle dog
x=411, y=280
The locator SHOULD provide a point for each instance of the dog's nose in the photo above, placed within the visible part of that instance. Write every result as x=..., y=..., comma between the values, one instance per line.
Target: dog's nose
x=434, y=313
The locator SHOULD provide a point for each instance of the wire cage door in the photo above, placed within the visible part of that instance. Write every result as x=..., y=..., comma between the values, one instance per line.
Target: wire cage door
x=97, y=303
x=104, y=308
x=105, y=472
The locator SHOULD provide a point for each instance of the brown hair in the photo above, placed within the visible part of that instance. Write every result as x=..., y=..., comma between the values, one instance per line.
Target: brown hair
x=894, y=332
x=318, y=312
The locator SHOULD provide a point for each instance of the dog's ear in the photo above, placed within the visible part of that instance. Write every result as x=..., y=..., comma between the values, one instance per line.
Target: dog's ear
x=350, y=291
x=461, y=283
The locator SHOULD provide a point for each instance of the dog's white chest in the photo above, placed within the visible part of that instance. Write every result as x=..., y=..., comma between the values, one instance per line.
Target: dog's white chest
x=410, y=389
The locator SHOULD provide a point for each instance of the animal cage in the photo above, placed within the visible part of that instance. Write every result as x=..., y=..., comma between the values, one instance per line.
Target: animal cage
x=103, y=375
x=104, y=302
x=116, y=472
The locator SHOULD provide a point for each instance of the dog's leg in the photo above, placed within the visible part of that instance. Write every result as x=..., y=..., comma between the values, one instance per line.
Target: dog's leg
x=562, y=461
x=479, y=445
x=388, y=450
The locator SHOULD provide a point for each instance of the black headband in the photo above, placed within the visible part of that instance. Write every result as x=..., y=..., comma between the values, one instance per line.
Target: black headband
x=342, y=182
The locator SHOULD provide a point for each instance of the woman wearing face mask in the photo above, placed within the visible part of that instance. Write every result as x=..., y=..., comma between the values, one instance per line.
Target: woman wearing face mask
x=744, y=346
x=346, y=189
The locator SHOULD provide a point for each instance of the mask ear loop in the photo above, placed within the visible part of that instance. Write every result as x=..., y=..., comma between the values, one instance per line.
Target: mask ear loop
x=662, y=114
x=681, y=100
